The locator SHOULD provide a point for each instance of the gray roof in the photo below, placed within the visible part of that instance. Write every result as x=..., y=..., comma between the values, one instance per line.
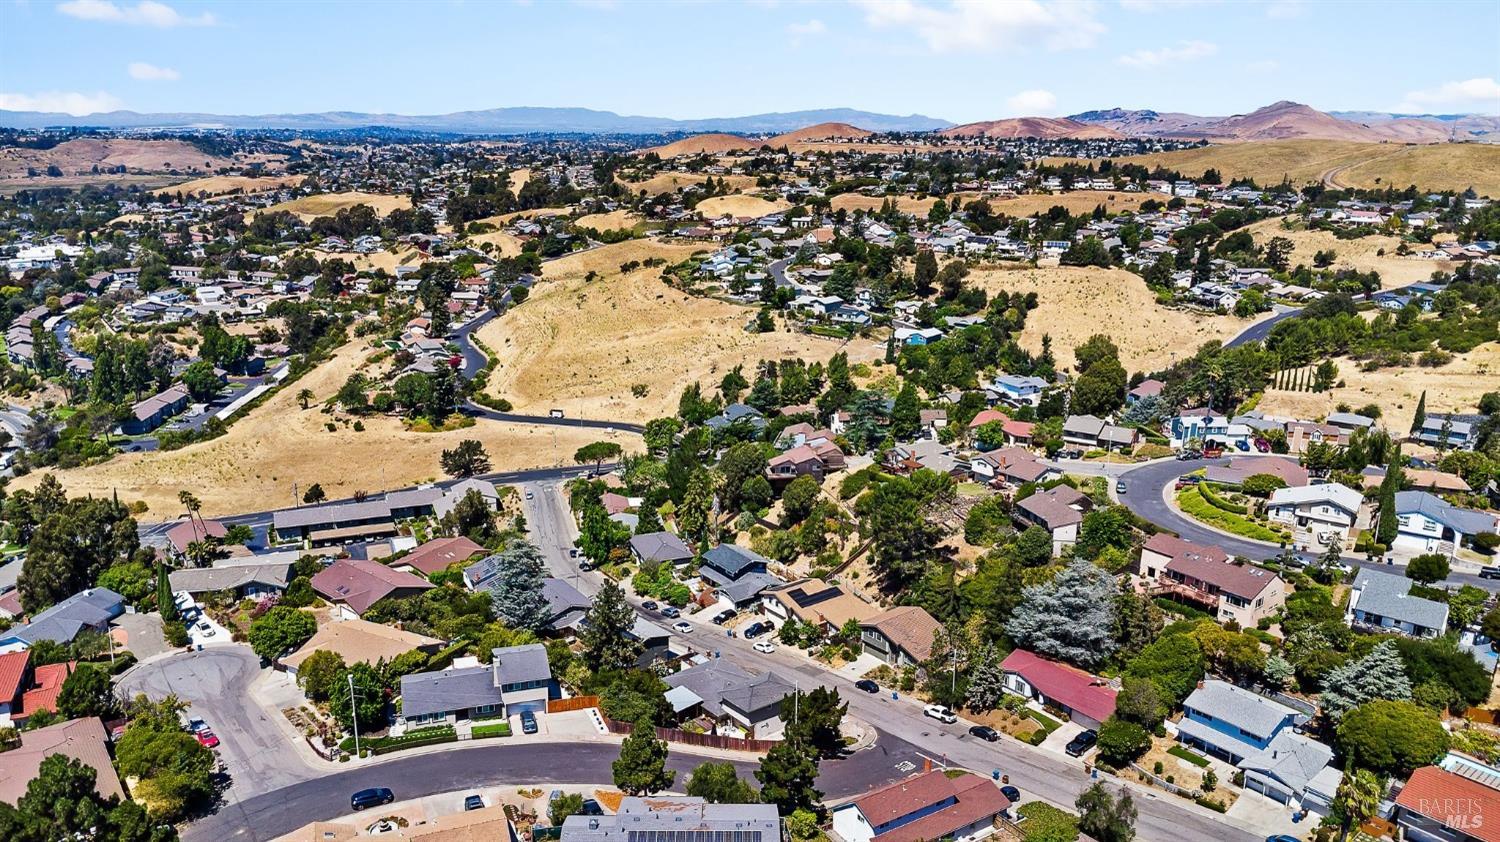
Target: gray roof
x=717, y=682
x=758, y=693
x=748, y=586
x=1467, y=521
x=660, y=546
x=1290, y=758
x=203, y=579
x=1237, y=706
x=676, y=817
x=330, y=513
x=733, y=559
x=1083, y=425
x=1390, y=596
x=93, y=608
x=518, y=664
x=564, y=600
x=445, y=690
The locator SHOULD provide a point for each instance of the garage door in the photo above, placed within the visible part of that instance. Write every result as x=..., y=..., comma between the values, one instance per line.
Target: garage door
x=1264, y=788
x=517, y=707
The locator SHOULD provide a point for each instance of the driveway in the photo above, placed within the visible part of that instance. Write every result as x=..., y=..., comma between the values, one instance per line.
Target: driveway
x=257, y=754
x=143, y=635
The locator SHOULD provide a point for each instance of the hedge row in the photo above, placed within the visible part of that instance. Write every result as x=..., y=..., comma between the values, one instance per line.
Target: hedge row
x=1219, y=502
x=411, y=739
x=1194, y=505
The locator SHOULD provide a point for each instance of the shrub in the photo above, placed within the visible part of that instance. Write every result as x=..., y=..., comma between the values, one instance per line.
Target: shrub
x=1219, y=502
x=1046, y=823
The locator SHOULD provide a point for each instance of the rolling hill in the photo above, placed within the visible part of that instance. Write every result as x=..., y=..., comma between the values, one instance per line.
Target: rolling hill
x=1040, y=127
x=704, y=144
x=822, y=131
x=1293, y=121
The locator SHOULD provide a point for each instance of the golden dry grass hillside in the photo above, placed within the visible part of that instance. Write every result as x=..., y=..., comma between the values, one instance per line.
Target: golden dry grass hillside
x=1440, y=166
x=253, y=466
x=1455, y=387
x=1076, y=201
x=580, y=346
x=1362, y=254
x=612, y=221
x=386, y=260
x=712, y=144
x=671, y=182
x=738, y=205
x=81, y=155
x=216, y=185
x=328, y=204
x=1075, y=302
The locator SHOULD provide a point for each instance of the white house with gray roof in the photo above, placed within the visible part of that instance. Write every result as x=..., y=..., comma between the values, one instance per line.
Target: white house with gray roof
x=676, y=818
x=1382, y=602
x=739, y=702
x=1293, y=770
x=1426, y=523
x=518, y=678
x=1318, y=515
x=88, y=610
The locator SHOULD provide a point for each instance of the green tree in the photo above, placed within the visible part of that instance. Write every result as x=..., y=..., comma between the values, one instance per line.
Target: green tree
x=516, y=589
x=201, y=381
x=597, y=452
x=642, y=766
x=1071, y=618
x=88, y=692
x=1105, y=817
x=661, y=433
x=304, y=396
x=369, y=699
x=175, y=772
x=898, y=515
x=906, y=420
x=1356, y=800
x=1392, y=737
x=319, y=674
x=813, y=719
x=164, y=601
x=71, y=544
x=607, y=644
x=1387, y=525
x=741, y=464
x=1120, y=741
x=1428, y=568
x=788, y=775
x=280, y=630
x=314, y=494
x=798, y=498
x=466, y=460
x=719, y=783
x=130, y=579
x=1379, y=675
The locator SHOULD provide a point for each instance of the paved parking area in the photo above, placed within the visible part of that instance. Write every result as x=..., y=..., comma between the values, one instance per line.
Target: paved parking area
x=257, y=753
x=143, y=635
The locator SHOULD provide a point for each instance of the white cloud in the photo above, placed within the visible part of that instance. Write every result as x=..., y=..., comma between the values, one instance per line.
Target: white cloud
x=67, y=102
x=812, y=27
x=1479, y=94
x=1034, y=103
x=144, y=13
x=986, y=25
x=151, y=73
x=1184, y=51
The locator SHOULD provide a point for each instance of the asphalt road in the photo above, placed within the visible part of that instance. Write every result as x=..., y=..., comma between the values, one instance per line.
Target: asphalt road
x=905, y=736
x=1145, y=495
x=473, y=358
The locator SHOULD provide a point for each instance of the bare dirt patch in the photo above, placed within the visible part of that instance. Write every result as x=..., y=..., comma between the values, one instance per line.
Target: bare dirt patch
x=254, y=465
x=581, y=346
x=738, y=205
x=1455, y=387
x=1077, y=302
x=1363, y=254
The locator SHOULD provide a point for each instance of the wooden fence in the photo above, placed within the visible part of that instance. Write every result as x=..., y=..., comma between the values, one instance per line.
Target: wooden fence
x=575, y=703
x=676, y=735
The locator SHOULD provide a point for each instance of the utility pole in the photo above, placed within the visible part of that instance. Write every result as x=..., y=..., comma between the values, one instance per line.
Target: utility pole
x=354, y=713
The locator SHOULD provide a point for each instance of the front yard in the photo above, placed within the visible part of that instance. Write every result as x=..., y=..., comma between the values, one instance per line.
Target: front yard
x=1207, y=506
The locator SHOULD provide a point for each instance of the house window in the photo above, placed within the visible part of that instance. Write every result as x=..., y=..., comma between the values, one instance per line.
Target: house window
x=486, y=708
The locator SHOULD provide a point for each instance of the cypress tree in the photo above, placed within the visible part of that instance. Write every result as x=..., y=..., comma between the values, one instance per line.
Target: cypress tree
x=1421, y=414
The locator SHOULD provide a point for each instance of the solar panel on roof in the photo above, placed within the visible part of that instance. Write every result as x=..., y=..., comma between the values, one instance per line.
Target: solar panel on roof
x=805, y=599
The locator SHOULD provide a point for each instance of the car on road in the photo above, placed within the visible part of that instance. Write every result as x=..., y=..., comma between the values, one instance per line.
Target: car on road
x=529, y=494
x=764, y=646
x=671, y=612
x=984, y=732
x=1189, y=455
x=1489, y=572
x=1080, y=745
x=867, y=685
x=1011, y=794
x=473, y=802
x=755, y=630
x=724, y=616
x=940, y=713
x=372, y=797
x=195, y=725
x=528, y=722
x=1120, y=487
x=649, y=605
x=207, y=738
x=682, y=627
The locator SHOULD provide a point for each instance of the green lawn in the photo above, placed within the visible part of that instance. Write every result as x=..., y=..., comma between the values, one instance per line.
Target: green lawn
x=1048, y=723
x=1179, y=751
x=1192, y=503
x=498, y=729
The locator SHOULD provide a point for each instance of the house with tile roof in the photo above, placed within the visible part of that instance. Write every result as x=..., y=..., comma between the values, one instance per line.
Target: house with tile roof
x=931, y=805
x=26, y=688
x=353, y=585
x=1447, y=806
x=1381, y=602
x=1087, y=699
x=900, y=636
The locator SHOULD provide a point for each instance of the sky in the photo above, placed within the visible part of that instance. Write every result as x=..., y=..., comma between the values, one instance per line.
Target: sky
x=960, y=61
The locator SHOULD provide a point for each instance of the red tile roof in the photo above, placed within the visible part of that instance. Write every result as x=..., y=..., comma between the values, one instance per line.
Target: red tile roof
x=977, y=798
x=1454, y=800
x=1063, y=683
x=12, y=674
x=985, y=416
x=1019, y=429
x=48, y=682
x=435, y=555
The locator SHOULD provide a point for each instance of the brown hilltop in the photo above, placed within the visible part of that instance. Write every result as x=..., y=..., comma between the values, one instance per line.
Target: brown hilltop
x=704, y=144
x=1041, y=127
x=822, y=131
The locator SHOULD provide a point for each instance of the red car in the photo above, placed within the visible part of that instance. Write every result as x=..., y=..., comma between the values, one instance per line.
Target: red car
x=207, y=738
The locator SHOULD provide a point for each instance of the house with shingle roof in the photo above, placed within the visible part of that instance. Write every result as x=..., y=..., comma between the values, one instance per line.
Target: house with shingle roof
x=931, y=805
x=1382, y=602
x=900, y=636
x=1232, y=723
x=739, y=702
x=1058, y=510
x=736, y=574
x=1426, y=523
x=1087, y=699
x=1205, y=575
x=83, y=740
x=88, y=610
x=356, y=584
x=438, y=555
x=518, y=678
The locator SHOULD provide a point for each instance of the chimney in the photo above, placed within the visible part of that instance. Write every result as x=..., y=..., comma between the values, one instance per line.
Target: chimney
x=1200, y=684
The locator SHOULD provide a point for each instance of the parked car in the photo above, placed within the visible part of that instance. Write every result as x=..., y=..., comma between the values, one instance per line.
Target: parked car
x=1489, y=572
x=195, y=725
x=591, y=808
x=940, y=713
x=1011, y=794
x=207, y=738
x=1080, y=745
x=572, y=552
x=867, y=685
x=1120, y=487
x=372, y=797
x=649, y=605
x=205, y=629
x=670, y=612
x=528, y=722
x=724, y=616
x=984, y=732
x=755, y=630
x=1188, y=455
x=682, y=627
x=585, y=565
x=764, y=646
x=473, y=802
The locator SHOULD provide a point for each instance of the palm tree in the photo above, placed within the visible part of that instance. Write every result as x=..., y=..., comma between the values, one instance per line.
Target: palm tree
x=304, y=396
x=1357, y=798
x=192, y=504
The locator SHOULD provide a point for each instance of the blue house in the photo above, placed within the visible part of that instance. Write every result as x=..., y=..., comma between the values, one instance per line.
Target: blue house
x=1016, y=389
x=1231, y=722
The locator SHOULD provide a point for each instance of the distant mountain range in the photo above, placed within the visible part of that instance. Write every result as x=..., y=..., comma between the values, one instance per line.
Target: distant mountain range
x=1291, y=120
x=492, y=121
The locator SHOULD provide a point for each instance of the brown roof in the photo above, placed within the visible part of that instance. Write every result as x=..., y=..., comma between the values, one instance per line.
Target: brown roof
x=359, y=583
x=1054, y=508
x=81, y=739
x=1210, y=564
x=909, y=627
x=187, y=531
x=976, y=799
x=815, y=601
x=435, y=555
x=360, y=641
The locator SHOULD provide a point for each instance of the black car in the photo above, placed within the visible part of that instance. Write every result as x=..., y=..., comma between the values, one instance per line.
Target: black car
x=372, y=797
x=1011, y=794
x=867, y=685
x=1080, y=745
x=1489, y=572
x=724, y=616
x=473, y=802
x=591, y=808
x=984, y=732
x=649, y=605
x=528, y=722
x=756, y=630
